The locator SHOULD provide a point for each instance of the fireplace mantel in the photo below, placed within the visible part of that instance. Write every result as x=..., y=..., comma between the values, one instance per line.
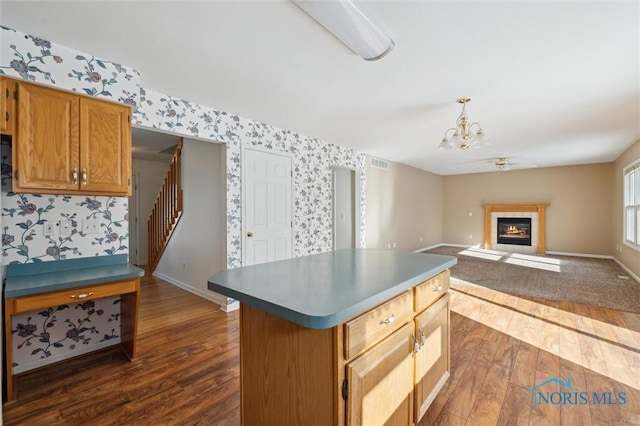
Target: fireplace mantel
x=515, y=208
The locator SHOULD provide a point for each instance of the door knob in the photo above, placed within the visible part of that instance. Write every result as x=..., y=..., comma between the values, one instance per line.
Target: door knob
x=249, y=234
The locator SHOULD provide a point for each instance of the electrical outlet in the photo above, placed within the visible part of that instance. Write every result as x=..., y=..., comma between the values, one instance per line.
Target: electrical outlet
x=50, y=228
x=91, y=226
x=65, y=227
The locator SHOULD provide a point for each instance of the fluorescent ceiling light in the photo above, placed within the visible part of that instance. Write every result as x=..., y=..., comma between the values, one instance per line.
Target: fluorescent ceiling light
x=350, y=25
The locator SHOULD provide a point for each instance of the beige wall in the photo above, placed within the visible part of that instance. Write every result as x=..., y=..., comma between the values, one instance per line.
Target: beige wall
x=404, y=205
x=197, y=248
x=628, y=256
x=578, y=217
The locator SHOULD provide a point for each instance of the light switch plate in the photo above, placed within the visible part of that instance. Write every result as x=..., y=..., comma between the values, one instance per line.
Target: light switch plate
x=91, y=226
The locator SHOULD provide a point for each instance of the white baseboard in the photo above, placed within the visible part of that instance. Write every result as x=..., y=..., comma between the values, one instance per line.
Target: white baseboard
x=214, y=297
x=440, y=245
x=564, y=253
x=635, y=277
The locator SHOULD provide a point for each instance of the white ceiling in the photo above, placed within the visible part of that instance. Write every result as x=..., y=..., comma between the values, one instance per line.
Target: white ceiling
x=552, y=82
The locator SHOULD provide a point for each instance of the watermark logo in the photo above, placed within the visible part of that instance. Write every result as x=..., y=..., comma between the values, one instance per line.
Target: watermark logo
x=569, y=395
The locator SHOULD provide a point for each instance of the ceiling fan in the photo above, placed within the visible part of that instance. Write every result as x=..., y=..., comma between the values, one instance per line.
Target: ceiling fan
x=503, y=164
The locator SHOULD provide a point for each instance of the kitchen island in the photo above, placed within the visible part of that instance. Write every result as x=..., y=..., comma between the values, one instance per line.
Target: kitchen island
x=356, y=336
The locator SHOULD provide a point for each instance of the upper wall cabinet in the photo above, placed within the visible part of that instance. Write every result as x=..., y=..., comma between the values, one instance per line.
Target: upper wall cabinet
x=7, y=105
x=64, y=143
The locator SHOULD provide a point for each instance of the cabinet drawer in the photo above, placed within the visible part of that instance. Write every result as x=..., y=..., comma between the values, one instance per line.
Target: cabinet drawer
x=431, y=290
x=373, y=326
x=74, y=295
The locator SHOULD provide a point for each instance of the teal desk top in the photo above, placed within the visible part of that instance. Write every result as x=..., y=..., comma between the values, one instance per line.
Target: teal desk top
x=327, y=289
x=44, y=277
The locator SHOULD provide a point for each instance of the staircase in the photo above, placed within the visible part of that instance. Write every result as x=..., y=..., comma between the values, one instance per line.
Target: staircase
x=166, y=212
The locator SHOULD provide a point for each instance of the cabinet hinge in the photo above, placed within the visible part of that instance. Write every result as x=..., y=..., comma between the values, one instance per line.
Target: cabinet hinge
x=345, y=389
x=15, y=95
x=16, y=175
x=6, y=116
x=129, y=118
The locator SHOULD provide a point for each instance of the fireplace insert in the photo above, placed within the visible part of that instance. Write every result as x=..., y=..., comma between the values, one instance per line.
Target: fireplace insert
x=514, y=230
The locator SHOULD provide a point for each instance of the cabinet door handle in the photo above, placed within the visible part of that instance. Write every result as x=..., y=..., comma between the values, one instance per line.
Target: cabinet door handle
x=389, y=320
x=423, y=338
x=74, y=176
x=82, y=295
x=439, y=288
x=416, y=344
x=84, y=176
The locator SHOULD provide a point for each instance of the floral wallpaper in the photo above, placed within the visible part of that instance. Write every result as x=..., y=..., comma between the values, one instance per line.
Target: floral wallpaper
x=63, y=331
x=41, y=61
x=312, y=163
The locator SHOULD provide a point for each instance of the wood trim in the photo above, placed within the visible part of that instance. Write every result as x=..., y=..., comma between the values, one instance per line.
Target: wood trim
x=539, y=208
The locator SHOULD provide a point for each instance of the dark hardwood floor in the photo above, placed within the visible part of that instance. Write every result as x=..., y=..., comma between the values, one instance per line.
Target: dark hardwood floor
x=187, y=369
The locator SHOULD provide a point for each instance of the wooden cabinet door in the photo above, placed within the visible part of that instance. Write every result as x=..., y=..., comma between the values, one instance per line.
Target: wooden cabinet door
x=432, y=360
x=7, y=106
x=46, y=143
x=380, y=382
x=105, y=147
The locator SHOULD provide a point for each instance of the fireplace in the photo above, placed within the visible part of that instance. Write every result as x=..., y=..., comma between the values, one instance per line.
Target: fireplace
x=534, y=212
x=514, y=231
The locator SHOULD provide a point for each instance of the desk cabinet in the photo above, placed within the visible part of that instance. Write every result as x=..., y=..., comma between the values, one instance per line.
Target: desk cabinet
x=128, y=290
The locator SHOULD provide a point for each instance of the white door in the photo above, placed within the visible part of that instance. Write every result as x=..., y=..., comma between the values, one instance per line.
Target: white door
x=267, y=222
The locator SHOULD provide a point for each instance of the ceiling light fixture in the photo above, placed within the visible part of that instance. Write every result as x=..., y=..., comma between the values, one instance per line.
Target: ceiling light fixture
x=350, y=25
x=464, y=136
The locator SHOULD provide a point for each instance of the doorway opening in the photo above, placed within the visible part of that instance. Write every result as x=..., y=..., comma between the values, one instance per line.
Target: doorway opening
x=346, y=208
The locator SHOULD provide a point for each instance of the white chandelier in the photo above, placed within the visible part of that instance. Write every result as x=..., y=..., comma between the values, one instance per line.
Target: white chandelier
x=465, y=135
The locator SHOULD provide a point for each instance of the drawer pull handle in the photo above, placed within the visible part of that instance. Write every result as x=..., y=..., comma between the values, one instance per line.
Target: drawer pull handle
x=389, y=320
x=439, y=288
x=81, y=296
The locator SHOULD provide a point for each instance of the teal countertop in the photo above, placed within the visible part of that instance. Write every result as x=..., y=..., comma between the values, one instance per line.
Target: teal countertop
x=327, y=289
x=43, y=277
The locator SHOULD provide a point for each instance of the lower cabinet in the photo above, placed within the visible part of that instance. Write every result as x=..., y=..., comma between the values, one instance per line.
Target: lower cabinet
x=383, y=367
x=381, y=382
x=432, y=360
x=395, y=382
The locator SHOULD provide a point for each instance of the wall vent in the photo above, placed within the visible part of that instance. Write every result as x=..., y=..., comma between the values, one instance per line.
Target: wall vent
x=379, y=164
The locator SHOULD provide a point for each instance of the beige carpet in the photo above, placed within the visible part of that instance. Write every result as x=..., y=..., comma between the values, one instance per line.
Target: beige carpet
x=589, y=281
